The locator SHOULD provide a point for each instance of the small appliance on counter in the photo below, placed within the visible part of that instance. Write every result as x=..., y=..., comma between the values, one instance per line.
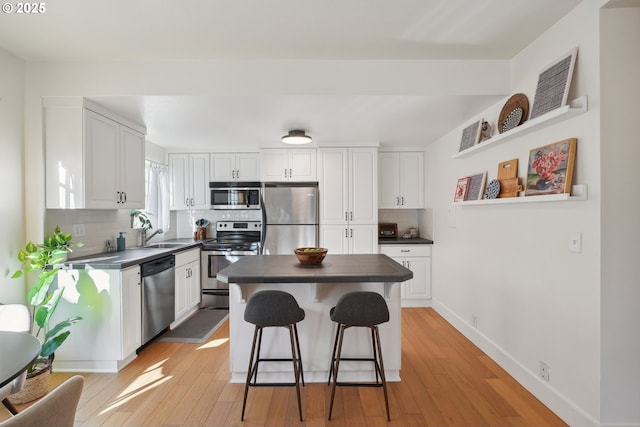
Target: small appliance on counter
x=388, y=230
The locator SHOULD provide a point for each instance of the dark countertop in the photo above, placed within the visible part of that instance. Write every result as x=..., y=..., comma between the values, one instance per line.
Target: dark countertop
x=401, y=241
x=117, y=260
x=334, y=269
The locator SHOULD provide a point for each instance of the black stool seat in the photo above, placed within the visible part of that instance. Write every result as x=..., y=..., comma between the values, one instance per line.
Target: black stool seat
x=273, y=308
x=359, y=309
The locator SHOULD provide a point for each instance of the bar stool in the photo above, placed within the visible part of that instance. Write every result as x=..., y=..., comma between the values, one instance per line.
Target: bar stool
x=359, y=309
x=272, y=308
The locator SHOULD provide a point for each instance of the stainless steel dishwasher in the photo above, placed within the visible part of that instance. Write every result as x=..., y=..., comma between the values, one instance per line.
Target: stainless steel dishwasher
x=158, y=296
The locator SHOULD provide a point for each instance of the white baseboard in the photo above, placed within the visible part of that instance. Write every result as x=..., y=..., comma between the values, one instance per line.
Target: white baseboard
x=568, y=411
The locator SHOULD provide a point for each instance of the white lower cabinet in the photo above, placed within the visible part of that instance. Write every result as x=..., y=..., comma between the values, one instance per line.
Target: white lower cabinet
x=417, y=258
x=131, y=310
x=187, y=284
x=110, y=332
x=349, y=238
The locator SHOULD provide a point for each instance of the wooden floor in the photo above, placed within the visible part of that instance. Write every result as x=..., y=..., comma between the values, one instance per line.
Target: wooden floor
x=446, y=381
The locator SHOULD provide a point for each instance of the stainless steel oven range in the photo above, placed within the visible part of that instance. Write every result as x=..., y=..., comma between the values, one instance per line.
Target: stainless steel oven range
x=234, y=239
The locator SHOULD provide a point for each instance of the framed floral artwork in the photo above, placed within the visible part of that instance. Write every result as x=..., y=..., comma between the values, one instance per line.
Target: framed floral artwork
x=550, y=168
x=462, y=187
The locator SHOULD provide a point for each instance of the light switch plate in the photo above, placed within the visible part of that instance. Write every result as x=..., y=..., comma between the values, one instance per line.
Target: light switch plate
x=78, y=230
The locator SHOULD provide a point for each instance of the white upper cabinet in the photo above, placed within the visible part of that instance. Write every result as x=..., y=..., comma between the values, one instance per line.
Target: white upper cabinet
x=94, y=159
x=188, y=181
x=235, y=167
x=401, y=180
x=348, y=199
x=288, y=164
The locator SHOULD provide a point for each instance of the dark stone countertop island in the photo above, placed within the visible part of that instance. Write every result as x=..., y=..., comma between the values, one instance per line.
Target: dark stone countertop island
x=334, y=268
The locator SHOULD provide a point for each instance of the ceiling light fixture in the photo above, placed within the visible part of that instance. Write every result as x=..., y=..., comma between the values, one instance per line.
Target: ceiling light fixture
x=296, y=136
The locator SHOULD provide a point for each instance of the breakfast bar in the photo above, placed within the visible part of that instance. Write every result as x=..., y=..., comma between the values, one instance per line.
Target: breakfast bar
x=316, y=288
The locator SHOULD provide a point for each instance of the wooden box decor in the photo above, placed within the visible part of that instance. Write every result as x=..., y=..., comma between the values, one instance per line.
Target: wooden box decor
x=508, y=177
x=550, y=168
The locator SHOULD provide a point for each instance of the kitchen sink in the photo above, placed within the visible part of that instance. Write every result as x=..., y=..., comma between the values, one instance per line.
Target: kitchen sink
x=164, y=245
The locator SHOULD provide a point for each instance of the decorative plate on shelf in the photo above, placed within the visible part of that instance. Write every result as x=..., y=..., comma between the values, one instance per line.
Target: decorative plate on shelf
x=493, y=189
x=514, y=112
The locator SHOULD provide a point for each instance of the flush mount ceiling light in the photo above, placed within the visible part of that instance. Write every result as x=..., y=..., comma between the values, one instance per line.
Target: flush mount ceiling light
x=296, y=137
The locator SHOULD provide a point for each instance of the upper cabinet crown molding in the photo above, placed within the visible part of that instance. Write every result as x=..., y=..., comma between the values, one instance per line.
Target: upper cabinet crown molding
x=92, y=159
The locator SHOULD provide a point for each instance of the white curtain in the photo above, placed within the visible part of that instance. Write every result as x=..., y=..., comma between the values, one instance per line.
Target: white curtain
x=158, y=196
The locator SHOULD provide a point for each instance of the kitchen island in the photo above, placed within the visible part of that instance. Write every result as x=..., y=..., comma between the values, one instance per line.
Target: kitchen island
x=317, y=289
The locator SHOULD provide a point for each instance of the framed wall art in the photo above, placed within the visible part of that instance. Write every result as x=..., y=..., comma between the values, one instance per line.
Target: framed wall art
x=550, y=168
x=553, y=85
x=471, y=135
x=475, y=189
x=461, y=189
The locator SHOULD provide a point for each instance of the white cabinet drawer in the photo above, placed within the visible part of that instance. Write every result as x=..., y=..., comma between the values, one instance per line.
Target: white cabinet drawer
x=185, y=257
x=405, y=250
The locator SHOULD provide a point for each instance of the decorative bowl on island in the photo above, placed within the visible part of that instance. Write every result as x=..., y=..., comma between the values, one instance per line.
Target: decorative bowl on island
x=310, y=256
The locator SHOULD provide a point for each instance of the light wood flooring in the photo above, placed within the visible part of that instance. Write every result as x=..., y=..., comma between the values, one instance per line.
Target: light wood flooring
x=446, y=381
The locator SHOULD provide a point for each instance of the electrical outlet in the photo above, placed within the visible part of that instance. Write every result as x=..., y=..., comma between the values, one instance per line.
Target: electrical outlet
x=543, y=370
x=575, y=242
x=78, y=230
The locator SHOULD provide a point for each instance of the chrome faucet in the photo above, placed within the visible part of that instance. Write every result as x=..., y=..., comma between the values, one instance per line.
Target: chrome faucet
x=146, y=239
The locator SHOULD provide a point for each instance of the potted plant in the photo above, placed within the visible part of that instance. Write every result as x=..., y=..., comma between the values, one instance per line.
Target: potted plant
x=46, y=259
x=140, y=219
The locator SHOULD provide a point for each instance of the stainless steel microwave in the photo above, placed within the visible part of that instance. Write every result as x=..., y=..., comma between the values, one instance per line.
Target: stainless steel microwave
x=235, y=195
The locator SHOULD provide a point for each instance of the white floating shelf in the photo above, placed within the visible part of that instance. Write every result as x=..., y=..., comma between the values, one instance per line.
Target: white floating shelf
x=579, y=192
x=576, y=107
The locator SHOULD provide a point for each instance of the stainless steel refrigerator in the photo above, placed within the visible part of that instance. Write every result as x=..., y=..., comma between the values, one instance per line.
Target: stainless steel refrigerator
x=290, y=216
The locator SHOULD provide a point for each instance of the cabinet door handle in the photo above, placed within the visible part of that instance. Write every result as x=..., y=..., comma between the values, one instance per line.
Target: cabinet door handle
x=346, y=216
x=125, y=197
x=191, y=201
x=285, y=172
x=186, y=201
x=397, y=201
x=352, y=233
x=409, y=264
x=237, y=173
x=351, y=216
x=405, y=250
x=402, y=200
x=233, y=174
x=346, y=233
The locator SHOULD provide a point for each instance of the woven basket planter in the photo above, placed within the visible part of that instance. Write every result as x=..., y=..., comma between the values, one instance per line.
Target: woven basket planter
x=35, y=386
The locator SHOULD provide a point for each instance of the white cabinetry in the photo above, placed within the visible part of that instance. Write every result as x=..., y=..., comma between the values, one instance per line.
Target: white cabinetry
x=187, y=284
x=110, y=332
x=401, y=180
x=93, y=158
x=235, y=167
x=131, y=311
x=417, y=258
x=189, y=181
x=348, y=196
x=288, y=164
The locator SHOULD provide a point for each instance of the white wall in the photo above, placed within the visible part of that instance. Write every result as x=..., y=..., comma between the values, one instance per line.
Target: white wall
x=533, y=300
x=11, y=146
x=620, y=70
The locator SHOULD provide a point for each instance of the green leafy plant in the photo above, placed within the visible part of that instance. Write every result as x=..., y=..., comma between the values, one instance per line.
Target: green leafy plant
x=143, y=219
x=47, y=259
